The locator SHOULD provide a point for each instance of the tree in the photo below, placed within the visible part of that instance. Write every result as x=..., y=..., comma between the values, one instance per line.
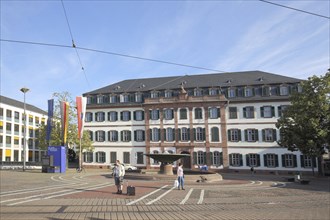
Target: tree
x=305, y=124
x=72, y=136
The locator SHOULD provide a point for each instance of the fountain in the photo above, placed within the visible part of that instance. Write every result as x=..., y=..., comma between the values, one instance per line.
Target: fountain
x=166, y=160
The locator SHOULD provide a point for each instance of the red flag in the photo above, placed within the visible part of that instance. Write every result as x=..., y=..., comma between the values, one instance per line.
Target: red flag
x=81, y=110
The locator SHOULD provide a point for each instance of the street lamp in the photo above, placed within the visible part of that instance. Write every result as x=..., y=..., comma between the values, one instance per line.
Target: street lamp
x=24, y=90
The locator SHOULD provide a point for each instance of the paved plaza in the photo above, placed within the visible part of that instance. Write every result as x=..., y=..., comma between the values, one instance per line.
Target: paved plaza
x=91, y=195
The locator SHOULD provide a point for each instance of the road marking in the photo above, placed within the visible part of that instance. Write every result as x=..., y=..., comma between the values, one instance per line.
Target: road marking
x=39, y=189
x=143, y=197
x=187, y=197
x=63, y=192
x=201, y=197
x=161, y=196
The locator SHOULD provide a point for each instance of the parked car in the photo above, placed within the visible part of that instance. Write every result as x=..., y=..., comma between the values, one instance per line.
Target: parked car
x=127, y=166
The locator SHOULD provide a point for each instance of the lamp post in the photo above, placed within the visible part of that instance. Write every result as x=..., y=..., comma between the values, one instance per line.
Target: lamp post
x=24, y=90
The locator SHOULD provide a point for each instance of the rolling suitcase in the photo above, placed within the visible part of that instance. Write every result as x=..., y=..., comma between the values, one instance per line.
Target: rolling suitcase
x=130, y=190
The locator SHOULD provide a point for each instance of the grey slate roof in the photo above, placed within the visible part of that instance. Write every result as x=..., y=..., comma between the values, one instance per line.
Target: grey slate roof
x=194, y=81
x=18, y=104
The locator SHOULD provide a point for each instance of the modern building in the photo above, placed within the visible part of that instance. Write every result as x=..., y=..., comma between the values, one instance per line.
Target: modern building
x=223, y=120
x=12, y=130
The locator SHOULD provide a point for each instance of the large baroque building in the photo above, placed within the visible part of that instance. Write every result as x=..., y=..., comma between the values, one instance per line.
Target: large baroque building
x=223, y=120
x=12, y=130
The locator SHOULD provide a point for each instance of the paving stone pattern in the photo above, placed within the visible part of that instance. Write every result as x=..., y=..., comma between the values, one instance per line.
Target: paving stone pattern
x=35, y=195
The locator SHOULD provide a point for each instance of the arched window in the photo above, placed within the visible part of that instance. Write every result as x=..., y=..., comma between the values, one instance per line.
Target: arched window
x=198, y=113
x=215, y=134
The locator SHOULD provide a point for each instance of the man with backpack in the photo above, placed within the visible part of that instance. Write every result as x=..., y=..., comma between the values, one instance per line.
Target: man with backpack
x=118, y=174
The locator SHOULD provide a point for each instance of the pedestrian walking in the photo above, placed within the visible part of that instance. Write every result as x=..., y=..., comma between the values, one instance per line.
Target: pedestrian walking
x=180, y=177
x=252, y=170
x=118, y=174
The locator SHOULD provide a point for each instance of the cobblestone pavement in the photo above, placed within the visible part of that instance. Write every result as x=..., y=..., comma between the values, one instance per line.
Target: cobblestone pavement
x=91, y=195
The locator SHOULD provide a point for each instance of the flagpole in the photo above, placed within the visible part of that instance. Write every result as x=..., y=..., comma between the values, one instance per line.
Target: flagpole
x=80, y=154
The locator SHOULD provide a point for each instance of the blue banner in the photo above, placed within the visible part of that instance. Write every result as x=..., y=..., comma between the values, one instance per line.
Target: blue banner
x=50, y=119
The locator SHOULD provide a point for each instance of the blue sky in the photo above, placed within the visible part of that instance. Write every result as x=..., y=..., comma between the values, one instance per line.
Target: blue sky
x=221, y=35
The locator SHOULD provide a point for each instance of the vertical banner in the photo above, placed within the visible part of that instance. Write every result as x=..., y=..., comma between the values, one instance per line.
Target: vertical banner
x=50, y=119
x=64, y=107
x=81, y=111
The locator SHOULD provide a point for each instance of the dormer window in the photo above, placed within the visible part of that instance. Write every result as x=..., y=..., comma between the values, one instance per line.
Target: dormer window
x=89, y=100
x=100, y=99
x=168, y=94
x=124, y=98
x=265, y=91
x=248, y=91
x=231, y=92
x=112, y=98
x=284, y=90
x=213, y=91
x=154, y=94
x=198, y=92
x=138, y=97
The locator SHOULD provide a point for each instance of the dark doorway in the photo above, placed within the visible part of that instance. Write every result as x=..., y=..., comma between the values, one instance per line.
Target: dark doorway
x=186, y=160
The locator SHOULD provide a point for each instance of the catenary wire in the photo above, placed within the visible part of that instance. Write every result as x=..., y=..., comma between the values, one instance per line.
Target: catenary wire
x=73, y=44
x=112, y=53
x=283, y=6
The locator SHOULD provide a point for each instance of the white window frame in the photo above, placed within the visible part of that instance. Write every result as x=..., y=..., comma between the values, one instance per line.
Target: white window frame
x=284, y=90
x=139, y=135
x=168, y=114
x=113, y=116
x=113, y=135
x=184, y=134
x=154, y=114
x=139, y=115
x=169, y=135
x=235, y=160
x=126, y=136
x=213, y=113
x=155, y=137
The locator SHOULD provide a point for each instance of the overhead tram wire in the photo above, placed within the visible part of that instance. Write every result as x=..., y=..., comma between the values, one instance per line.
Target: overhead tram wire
x=307, y=12
x=112, y=53
x=73, y=43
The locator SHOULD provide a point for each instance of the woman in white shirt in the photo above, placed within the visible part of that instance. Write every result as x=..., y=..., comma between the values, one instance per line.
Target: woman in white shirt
x=180, y=177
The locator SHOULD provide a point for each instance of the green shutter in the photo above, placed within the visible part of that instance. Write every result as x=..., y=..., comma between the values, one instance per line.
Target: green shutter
x=247, y=160
x=283, y=160
x=221, y=158
x=276, y=160
x=263, y=135
x=262, y=111
x=302, y=161
x=258, y=160
x=195, y=158
x=265, y=160
x=244, y=112
x=273, y=111
x=231, y=159
x=274, y=135
x=204, y=136
x=229, y=135
x=294, y=160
